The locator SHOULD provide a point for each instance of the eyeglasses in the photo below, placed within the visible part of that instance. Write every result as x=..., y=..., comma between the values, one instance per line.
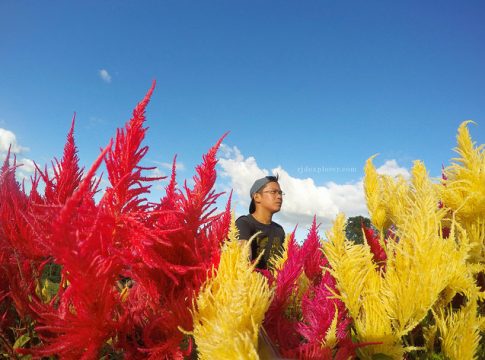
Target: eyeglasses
x=274, y=192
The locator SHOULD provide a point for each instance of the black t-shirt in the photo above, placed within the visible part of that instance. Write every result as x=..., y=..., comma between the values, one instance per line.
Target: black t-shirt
x=269, y=240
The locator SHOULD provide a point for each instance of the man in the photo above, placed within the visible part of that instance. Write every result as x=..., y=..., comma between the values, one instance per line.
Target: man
x=266, y=200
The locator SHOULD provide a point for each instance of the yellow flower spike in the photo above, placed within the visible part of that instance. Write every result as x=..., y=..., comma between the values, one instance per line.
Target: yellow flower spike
x=331, y=336
x=394, y=192
x=336, y=252
x=426, y=266
x=423, y=268
x=476, y=235
x=385, y=196
x=429, y=334
x=231, y=305
x=276, y=262
x=233, y=230
x=424, y=263
x=460, y=331
x=360, y=287
x=373, y=195
x=482, y=322
x=464, y=188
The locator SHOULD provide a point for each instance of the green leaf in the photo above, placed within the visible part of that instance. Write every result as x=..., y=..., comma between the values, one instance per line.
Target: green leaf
x=435, y=356
x=381, y=356
x=21, y=341
x=50, y=289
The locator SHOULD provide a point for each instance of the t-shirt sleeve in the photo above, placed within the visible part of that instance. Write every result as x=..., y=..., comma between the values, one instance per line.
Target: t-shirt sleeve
x=244, y=228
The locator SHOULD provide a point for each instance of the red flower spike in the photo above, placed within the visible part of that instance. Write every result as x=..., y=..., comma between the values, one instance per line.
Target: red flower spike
x=122, y=164
x=314, y=258
x=298, y=324
x=126, y=263
x=282, y=328
x=187, y=247
x=372, y=238
x=67, y=174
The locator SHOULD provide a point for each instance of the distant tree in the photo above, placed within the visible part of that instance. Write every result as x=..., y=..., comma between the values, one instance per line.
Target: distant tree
x=353, y=228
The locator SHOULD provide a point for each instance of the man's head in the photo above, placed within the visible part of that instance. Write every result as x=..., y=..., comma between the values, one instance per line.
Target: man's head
x=267, y=192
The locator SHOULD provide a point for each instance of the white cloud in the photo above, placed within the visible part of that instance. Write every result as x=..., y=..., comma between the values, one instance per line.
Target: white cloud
x=391, y=168
x=24, y=169
x=156, y=172
x=26, y=166
x=7, y=139
x=303, y=198
x=178, y=165
x=105, y=76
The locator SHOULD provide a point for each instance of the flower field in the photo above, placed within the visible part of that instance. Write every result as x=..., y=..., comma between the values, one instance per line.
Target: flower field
x=124, y=278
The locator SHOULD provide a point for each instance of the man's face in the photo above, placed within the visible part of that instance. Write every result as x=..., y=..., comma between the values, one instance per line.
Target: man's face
x=270, y=197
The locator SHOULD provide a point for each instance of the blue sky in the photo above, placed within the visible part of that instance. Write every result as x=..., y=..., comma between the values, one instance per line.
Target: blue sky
x=310, y=89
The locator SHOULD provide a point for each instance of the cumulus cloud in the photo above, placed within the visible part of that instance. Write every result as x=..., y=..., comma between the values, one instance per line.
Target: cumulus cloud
x=165, y=165
x=7, y=139
x=24, y=169
x=26, y=166
x=156, y=172
x=165, y=168
x=391, y=168
x=303, y=197
x=105, y=76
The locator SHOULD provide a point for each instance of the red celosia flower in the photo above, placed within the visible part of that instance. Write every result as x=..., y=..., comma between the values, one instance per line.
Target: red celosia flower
x=19, y=248
x=67, y=174
x=314, y=258
x=372, y=238
x=302, y=311
x=130, y=269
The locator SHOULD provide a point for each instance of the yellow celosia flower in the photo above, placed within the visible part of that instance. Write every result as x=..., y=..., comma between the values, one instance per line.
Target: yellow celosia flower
x=463, y=191
x=464, y=188
x=476, y=234
x=429, y=334
x=331, y=335
x=276, y=262
x=420, y=265
x=385, y=196
x=360, y=284
x=230, y=307
x=460, y=331
x=374, y=197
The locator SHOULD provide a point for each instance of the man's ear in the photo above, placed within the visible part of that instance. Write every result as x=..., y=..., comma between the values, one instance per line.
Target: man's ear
x=257, y=198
